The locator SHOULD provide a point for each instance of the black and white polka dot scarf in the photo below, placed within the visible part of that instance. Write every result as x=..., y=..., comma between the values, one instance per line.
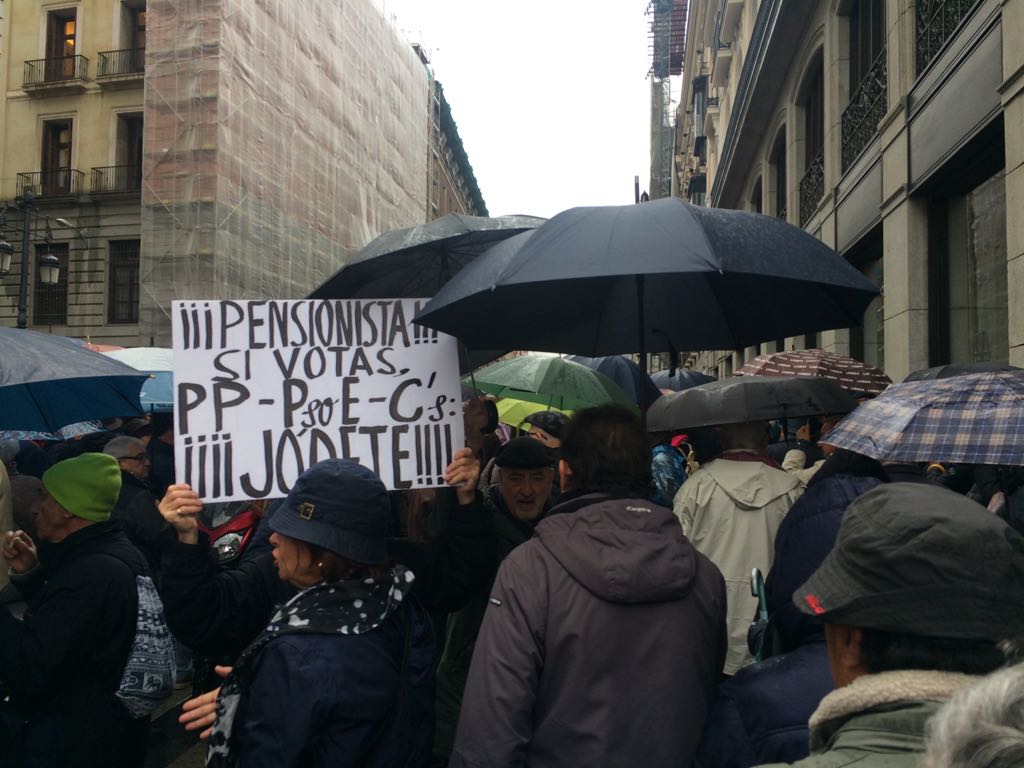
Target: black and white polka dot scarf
x=347, y=607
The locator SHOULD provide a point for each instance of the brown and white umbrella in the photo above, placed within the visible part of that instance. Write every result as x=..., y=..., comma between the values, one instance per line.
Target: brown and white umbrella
x=852, y=375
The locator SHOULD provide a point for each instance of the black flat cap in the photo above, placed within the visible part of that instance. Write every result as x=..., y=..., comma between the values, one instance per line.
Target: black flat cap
x=525, y=453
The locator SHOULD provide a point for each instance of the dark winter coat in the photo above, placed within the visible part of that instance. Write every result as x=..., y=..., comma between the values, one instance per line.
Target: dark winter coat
x=464, y=625
x=601, y=646
x=805, y=537
x=218, y=612
x=66, y=658
x=161, y=467
x=142, y=522
x=315, y=700
x=760, y=715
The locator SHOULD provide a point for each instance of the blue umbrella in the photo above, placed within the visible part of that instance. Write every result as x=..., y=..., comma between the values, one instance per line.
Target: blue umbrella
x=158, y=362
x=684, y=379
x=625, y=373
x=48, y=382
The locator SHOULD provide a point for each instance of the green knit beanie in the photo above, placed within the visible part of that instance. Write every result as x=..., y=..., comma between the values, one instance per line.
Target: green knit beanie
x=87, y=486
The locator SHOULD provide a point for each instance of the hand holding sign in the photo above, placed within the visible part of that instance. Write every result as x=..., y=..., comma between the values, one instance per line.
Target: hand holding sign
x=179, y=507
x=464, y=472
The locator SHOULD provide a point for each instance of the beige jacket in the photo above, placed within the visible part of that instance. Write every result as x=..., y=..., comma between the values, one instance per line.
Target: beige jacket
x=794, y=464
x=731, y=511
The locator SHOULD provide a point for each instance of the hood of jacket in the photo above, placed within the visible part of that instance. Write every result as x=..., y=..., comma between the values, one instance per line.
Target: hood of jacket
x=750, y=484
x=622, y=550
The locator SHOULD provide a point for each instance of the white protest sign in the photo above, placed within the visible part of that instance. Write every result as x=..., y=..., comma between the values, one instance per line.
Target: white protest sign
x=265, y=389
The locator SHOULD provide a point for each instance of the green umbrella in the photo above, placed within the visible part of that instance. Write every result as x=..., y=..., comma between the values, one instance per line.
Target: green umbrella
x=552, y=381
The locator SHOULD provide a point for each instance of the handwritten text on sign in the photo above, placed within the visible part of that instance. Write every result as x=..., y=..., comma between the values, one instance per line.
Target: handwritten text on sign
x=265, y=389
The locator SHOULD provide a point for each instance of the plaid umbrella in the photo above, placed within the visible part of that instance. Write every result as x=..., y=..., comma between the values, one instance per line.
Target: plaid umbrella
x=852, y=375
x=974, y=419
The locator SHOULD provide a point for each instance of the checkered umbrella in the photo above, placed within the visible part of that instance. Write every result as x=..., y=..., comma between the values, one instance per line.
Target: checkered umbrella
x=975, y=419
x=852, y=375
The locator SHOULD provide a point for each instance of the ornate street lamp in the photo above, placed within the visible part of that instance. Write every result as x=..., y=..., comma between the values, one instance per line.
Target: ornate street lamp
x=48, y=264
x=6, y=249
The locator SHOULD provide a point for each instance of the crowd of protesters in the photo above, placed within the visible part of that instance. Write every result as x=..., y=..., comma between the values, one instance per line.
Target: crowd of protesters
x=573, y=597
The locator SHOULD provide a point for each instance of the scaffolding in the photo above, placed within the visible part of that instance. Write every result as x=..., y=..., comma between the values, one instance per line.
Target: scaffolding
x=667, y=46
x=280, y=137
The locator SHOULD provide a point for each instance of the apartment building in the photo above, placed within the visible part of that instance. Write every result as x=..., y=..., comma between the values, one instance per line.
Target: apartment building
x=166, y=150
x=72, y=142
x=891, y=130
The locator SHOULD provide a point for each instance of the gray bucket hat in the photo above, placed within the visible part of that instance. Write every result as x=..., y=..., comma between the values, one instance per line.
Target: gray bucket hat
x=340, y=506
x=921, y=560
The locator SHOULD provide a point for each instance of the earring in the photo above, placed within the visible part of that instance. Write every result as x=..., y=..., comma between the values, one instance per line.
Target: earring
x=320, y=565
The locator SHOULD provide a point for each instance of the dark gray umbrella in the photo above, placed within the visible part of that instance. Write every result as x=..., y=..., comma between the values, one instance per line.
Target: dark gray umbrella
x=958, y=369
x=747, y=398
x=684, y=379
x=415, y=262
x=658, y=276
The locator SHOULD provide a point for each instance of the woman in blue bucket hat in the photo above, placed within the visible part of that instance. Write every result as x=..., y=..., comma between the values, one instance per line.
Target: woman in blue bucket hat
x=343, y=673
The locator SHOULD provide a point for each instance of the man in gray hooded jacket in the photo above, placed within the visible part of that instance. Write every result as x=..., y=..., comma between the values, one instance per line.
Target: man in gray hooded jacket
x=605, y=633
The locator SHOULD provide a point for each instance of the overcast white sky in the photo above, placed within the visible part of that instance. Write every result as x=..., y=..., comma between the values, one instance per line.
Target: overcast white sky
x=551, y=97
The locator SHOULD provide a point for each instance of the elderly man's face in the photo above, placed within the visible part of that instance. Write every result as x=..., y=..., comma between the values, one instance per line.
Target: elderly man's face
x=525, y=491
x=50, y=517
x=137, y=464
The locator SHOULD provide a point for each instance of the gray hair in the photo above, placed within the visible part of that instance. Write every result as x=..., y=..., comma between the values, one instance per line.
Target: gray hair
x=124, y=446
x=982, y=726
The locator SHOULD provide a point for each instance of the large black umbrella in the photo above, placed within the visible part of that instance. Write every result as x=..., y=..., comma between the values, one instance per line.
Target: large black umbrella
x=625, y=373
x=958, y=369
x=48, y=382
x=416, y=261
x=684, y=378
x=658, y=276
x=747, y=398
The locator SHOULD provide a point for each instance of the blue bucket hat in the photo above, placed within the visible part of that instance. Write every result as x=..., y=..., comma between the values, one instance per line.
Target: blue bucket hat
x=340, y=506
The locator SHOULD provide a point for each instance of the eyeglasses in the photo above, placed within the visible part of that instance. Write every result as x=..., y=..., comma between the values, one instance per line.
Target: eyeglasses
x=137, y=457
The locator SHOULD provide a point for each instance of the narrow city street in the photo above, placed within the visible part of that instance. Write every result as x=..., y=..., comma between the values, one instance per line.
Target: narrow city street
x=458, y=384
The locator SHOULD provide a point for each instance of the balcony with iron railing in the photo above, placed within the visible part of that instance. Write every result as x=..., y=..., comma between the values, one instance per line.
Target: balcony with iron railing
x=812, y=187
x=60, y=182
x=937, y=20
x=116, y=180
x=119, y=66
x=61, y=73
x=866, y=109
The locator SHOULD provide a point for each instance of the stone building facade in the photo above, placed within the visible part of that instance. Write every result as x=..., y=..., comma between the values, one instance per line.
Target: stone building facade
x=893, y=130
x=225, y=149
